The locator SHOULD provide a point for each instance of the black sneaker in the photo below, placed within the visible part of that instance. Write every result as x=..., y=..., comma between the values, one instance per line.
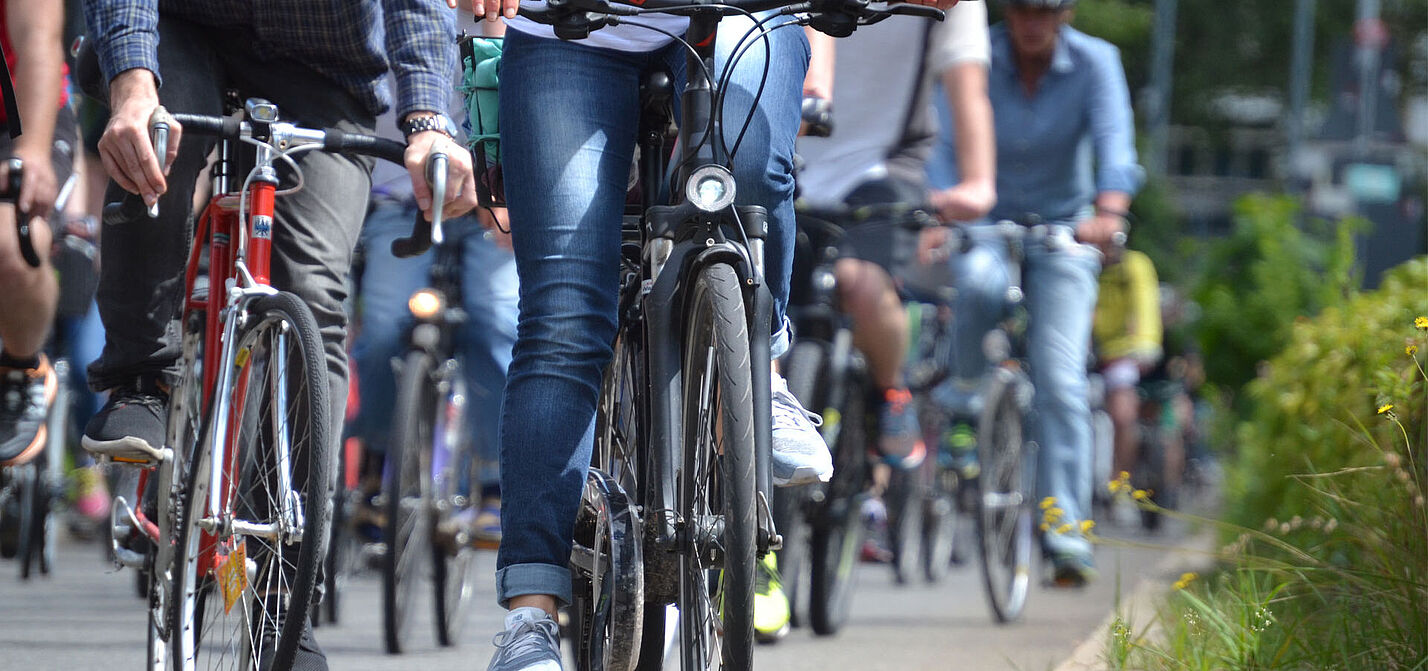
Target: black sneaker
x=25, y=398
x=130, y=428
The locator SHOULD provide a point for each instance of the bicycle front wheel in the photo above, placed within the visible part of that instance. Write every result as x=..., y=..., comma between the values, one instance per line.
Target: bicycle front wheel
x=1004, y=501
x=408, y=494
x=716, y=487
x=257, y=510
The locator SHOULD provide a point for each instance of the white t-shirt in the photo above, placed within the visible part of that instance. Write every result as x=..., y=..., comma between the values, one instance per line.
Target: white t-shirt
x=623, y=37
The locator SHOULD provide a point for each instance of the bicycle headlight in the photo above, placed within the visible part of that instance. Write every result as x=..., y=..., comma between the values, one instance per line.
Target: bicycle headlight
x=425, y=304
x=710, y=188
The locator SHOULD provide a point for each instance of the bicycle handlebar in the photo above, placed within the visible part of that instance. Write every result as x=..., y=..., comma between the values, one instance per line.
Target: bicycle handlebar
x=424, y=232
x=575, y=19
x=332, y=139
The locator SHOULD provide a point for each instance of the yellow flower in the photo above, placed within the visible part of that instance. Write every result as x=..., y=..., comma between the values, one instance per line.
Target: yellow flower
x=1045, y=526
x=1087, y=525
x=1184, y=581
x=1053, y=515
x=1421, y=322
x=1048, y=502
x=1385, y=408
x=1065, y=528
x=1140, y=495
x=1410, y=350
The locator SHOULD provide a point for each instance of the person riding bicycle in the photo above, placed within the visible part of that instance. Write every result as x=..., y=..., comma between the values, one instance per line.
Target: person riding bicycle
x=877, y=155
x=1059, y=98
x=323, y=62
x=489, y=291
x=30, y=36
x=569, y=114
x=1127, y=333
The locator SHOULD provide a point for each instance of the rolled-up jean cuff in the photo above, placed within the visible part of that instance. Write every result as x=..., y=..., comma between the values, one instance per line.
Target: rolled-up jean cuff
x=522, y=579
x=779, y=342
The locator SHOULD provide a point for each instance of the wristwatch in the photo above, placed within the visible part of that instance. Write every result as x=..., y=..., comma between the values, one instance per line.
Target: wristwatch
x=437, y=122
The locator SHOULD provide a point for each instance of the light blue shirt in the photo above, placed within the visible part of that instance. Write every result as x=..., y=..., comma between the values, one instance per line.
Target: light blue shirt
x=1046, y=142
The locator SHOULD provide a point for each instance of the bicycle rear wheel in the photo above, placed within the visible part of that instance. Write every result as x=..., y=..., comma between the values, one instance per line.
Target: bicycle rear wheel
x=716, y=487
x=256, y=512
x=408, y=495
x=1004, y=501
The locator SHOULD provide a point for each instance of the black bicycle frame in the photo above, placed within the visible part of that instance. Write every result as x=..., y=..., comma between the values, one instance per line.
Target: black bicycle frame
x=678, y=241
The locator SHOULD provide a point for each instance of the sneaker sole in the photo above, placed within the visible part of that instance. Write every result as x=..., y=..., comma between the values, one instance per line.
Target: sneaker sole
x=803, y=475
x=126, y=450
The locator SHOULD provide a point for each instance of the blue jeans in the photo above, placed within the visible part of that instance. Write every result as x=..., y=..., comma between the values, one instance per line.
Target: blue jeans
x=569, y=117
x=1060, y=289
x=489, y=294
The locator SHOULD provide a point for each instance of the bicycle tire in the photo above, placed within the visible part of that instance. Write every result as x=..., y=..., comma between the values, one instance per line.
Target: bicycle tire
x=717, y=629
x=906, y=495
x=801, y=367
x=607, y=564
x=407, y=488
x=456, y=497
x=838, y=529
x=27, y=487
x=1004, y=502
x=278, y=359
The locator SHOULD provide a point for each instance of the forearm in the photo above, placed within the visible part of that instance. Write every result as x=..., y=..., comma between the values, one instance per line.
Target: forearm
x=125, y=34
x=422, y=51
x=966, y=87
x=822, y=56
x=35, y=34
x=1115, y=203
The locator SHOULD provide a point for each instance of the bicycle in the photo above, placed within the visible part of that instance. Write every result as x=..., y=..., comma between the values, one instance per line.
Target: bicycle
x=30, y=492
x=1002, y=489
x=675, y=506
x=430, y=470
x=822, y=523
x=240, y=492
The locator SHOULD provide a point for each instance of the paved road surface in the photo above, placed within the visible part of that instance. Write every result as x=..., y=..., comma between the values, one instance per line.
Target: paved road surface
x=86, y=616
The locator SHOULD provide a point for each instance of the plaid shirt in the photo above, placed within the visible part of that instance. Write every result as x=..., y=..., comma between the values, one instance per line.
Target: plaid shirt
x=353, y=42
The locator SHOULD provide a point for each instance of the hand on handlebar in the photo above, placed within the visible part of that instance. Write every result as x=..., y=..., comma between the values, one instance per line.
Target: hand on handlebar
x=461, y=189
x=126, y=148
x=967, y=201
x=1104, y=231
x=38, y=185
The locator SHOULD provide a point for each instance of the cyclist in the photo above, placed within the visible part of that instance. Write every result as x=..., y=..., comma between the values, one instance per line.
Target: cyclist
x=880, y=159
x=30, y=36
x=569, y=114
x=322, y=62
x=1127, y=332
x=489, y=290
x=1059, y=97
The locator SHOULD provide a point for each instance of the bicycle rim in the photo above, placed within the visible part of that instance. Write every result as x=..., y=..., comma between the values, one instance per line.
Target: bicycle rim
x=1004, y=504
x=408, y=494
x=716, y=589
x=271, y=510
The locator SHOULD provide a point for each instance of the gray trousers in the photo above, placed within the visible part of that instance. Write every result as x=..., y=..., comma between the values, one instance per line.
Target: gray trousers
x=141, y=279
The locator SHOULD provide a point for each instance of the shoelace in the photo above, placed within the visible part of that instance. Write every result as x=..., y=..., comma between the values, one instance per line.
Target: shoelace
x=787, y=411
x=151, y=401
x=514, y=643
x=13, y=394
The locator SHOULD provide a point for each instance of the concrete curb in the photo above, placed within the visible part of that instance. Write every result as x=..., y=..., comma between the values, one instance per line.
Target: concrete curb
x=1194, y=554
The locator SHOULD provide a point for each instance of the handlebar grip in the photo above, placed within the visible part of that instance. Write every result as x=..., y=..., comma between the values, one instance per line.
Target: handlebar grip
x=11, y=193
x=336, y=140
x=224, y=127
x=422, y=230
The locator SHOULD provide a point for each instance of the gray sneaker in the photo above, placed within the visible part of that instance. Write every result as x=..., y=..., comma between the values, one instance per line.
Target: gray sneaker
x=800, y=456
x=531, y=642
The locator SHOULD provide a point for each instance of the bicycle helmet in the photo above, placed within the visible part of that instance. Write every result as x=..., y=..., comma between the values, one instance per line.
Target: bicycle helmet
x=1042, y=4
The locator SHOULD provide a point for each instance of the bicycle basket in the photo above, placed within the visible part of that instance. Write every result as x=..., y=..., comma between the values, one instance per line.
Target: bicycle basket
x=480, y=80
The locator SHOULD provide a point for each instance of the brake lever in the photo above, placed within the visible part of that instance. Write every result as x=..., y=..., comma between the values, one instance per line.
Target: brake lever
x=22, y=218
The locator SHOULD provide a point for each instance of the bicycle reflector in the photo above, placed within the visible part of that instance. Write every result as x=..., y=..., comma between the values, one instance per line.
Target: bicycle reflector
x=425, y=304
x=710, y=188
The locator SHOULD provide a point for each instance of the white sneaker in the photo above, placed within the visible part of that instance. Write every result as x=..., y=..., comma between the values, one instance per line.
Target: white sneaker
x=799, y=454
x=531, y=642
